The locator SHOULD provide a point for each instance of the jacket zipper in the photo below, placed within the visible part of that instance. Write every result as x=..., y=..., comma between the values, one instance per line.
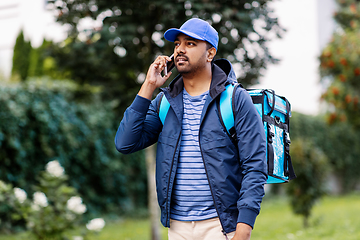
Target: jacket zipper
x=168, y=187
x=207, y=176
x=212, y=194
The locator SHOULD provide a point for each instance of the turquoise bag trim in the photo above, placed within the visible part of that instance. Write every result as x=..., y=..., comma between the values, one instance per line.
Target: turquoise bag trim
x=163, y=109
x=226, y=109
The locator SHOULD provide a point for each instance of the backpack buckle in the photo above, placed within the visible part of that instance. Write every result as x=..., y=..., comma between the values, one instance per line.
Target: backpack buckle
x=287, y=138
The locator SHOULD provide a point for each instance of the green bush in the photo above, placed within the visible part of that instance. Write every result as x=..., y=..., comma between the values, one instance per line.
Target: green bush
x=311, y=169
x=7, y=209
x=43, y=120
x=54, y=209
x=339, y=142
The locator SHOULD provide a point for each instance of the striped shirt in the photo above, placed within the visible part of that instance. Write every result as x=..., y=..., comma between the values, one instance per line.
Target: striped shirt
x=191, y=198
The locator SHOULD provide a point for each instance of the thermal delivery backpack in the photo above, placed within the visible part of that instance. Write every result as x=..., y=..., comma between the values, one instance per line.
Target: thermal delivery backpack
x=275, y=112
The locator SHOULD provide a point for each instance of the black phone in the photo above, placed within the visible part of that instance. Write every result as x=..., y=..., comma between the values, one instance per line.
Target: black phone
x=169, y=65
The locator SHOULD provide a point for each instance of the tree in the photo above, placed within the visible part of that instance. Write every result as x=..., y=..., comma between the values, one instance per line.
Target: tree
x=125, y=37
x=336, y=141
x=311, y=170
x=21, y=57
x=43, y=64
x=340, y=69
x=116, y=50
x=36, y=62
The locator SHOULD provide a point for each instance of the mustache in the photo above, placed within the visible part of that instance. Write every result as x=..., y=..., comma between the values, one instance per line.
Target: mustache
x=182, y=56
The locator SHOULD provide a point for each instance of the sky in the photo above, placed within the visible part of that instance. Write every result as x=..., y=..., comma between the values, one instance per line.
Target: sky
x=309, y=27
x=29, y=15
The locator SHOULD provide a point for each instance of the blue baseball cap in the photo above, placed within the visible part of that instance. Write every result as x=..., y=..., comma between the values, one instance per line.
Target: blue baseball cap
x=195, y=28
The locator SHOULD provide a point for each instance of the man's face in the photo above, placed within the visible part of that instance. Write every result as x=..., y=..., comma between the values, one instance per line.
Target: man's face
x=190, y=55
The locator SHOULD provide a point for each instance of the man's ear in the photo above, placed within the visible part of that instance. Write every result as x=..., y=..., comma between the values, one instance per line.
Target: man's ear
x=211, y=54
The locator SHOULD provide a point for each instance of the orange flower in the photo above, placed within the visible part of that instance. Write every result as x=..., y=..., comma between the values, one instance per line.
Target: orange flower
x=348, y=99
x=332, y=118
x=331, y=63
x=357, y=71
x=335, y=91
x=343, y=61
x=356, y=100
x=342, y=77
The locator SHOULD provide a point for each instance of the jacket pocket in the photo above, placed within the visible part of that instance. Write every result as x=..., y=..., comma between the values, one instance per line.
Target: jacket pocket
x=221, y=149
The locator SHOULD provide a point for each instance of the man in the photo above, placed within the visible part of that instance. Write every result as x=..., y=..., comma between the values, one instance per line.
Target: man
x=208, y=186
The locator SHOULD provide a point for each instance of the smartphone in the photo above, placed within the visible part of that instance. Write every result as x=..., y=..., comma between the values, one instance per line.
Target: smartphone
x=169, y=65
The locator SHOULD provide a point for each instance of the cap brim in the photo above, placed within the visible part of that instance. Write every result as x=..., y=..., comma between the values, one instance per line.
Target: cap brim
x=172, y=33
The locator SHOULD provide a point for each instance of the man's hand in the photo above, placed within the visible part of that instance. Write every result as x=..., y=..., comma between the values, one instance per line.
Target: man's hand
x=154, y=79
x=243, y=232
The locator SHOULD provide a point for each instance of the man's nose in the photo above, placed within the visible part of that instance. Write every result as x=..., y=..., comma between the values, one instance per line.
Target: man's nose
x=181, y=48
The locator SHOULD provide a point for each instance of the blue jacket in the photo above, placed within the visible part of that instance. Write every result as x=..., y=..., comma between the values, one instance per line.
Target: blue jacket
x=236, y=172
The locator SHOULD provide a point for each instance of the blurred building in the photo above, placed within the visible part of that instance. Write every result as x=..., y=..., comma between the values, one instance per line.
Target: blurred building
x=309, y=26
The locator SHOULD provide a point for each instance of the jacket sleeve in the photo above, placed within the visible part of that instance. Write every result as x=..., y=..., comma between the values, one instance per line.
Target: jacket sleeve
x=140, y=126
x=252, y=152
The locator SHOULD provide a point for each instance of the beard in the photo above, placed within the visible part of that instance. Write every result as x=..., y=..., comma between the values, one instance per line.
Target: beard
x=186, y=67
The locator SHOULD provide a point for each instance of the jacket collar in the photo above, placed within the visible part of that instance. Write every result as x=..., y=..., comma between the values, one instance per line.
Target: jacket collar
x=222, y=74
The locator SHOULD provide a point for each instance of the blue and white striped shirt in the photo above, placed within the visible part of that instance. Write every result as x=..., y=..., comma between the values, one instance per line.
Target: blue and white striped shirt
x=192, y=199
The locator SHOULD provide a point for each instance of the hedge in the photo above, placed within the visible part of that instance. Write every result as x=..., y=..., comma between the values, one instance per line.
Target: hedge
x=339, y=142
x=43, y=120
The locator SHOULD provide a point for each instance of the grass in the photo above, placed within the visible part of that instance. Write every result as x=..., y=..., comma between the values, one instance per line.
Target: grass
x=333, y=218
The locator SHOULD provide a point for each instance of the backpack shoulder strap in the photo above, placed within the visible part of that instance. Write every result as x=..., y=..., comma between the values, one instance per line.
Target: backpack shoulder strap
x=163, y=108
x=226, y=109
